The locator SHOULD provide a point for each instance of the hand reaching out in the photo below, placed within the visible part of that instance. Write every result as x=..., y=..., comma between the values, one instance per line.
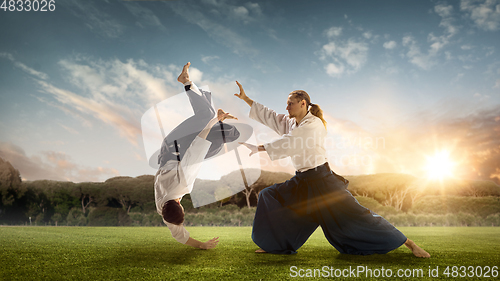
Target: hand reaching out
x=242, y=95
x=221, y=115
x=210, y=244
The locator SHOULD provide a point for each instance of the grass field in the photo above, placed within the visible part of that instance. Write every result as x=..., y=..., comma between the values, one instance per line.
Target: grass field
x=150, y=253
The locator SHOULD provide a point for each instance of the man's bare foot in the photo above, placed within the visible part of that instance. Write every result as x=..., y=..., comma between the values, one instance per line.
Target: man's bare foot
x=417, y=251
x=260, y=251
x=221, y=115
x=184, y=76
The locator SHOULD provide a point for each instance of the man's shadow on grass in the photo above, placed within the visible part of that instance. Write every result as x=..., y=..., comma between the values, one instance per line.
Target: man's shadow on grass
x=329, y=255
x=152, y=256
x=177, y=254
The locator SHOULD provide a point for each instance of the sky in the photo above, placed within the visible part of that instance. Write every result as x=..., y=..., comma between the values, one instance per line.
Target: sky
x=399, y=81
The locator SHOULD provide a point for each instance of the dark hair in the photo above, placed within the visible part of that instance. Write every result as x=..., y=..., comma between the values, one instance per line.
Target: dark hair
x=172, y=212
x=314, y=108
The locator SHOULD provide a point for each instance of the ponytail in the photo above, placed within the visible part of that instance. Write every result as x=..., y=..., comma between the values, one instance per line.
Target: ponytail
x=318, y=112
x=314, y=108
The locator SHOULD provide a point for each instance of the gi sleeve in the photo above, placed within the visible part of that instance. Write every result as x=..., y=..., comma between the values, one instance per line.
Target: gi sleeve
x=292, y=143
x=280, y=123
x=178, y=232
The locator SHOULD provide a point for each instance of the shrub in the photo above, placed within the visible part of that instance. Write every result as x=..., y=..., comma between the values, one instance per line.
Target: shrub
x=247, y=210
x=152, y=219
x=57, y=219
x=375, y=206
x=420, y=220
x=398, y=219
x=465, y=219
x=244, y=217
x=493, y=220
x=106, y=216
x=136, y=218
x=481, y=206
x=230, y=208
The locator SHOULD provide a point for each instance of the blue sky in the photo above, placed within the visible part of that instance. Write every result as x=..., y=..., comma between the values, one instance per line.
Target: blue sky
x=398, y=80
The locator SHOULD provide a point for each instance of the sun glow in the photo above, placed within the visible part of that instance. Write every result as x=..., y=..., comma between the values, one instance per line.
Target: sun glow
x=440, y=166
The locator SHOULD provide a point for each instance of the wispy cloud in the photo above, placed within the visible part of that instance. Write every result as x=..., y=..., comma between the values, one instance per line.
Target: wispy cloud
x=447, y=21
x=95, y=18
x=113, y=92
x=220, y=33
x=122, y=80
x=145, y=17
x=83, y=120
x=368, y=35
x=333, y=32
x=390, y=45
x=207, y=59
x=120, y=117
x=427, y=60
x=247, y=13
x=344, y=57
x=485, y=14
x=118, y=93
x=23, y=67
x=51, y=165
x=415, y=55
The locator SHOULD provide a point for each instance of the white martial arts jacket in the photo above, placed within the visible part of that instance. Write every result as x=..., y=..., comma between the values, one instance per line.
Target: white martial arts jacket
x=303, y=142
x=175, y=179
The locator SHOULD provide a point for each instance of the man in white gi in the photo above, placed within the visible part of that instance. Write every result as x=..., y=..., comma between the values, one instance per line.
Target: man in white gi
x=289, y=212
x=176, y=177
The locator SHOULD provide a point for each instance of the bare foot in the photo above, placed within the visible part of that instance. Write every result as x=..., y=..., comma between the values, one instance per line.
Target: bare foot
x=221, y=115
x=260, y=251
x=417, y=251
x=184, y=76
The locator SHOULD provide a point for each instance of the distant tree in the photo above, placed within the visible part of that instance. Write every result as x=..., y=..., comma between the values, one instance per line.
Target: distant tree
x=60, y=197
x=89, y=193
x=479, y=188
x=268, y=178
x=56, y=218
x=243, y=180
x=76, y=217
x=130, y=192
x=10, y=191
x=37, y=201
x=144, y=186
x=223, y=194
x=388, y=189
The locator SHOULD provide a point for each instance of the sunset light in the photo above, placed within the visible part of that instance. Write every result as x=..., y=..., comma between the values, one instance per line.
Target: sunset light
x=439, y=166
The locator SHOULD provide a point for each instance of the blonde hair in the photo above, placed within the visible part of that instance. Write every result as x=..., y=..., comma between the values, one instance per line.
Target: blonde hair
x=313, y=108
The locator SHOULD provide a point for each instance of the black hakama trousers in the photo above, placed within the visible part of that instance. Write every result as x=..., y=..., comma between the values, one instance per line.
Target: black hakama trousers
x=288, y=213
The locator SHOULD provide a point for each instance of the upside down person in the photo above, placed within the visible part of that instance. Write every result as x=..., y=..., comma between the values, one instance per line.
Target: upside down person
x=182, y=154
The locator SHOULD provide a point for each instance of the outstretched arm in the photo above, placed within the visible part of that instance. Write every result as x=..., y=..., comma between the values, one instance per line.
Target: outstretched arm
x=221, y=116
x=280, y=123
x=243, y=96
x=253, y=148
x=210, y=244
x=182, y=236
x=204, y=133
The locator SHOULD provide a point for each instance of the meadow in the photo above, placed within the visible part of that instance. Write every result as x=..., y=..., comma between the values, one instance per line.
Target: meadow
x=150, y=253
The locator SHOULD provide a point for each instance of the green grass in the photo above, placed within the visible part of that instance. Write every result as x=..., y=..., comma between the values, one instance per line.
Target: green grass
x=150, y=253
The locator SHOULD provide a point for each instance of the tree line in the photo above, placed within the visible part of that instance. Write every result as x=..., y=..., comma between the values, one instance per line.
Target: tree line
x=130, y=200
